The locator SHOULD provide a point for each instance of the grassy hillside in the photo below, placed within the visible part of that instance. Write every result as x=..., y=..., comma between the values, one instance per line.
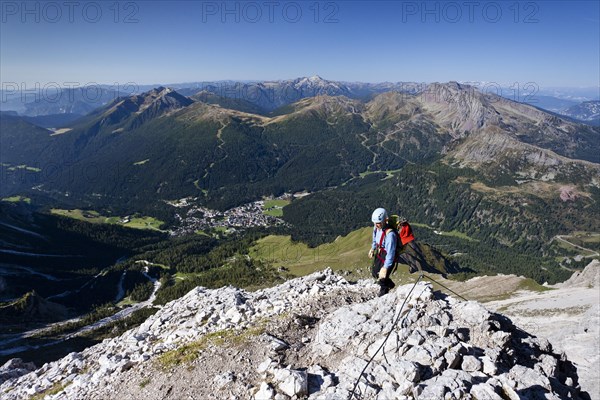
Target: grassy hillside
x=136, y=222
x=509, y=233
x=347, y=253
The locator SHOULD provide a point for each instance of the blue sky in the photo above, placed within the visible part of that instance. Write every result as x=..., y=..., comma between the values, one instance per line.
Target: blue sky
x=550, y=43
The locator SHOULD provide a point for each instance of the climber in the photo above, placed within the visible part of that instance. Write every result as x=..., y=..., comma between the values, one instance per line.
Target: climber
x=383, y=250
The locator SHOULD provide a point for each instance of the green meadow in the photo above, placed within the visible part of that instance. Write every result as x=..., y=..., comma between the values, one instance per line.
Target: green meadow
x=275, y=207
x=96, y=218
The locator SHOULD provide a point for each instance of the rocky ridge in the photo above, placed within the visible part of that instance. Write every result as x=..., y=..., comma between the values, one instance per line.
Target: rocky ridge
x=310, y=338
x=144, y=107
x=568, y=316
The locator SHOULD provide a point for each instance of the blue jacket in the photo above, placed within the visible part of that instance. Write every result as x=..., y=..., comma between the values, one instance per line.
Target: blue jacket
x=389, y=244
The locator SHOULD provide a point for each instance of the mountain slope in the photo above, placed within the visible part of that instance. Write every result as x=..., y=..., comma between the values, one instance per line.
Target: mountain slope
x=242, y=105
x=31, y=307
x=23, y=153
x=462, y=110
x=62, y=101
x=324, y=330
x=21, y=141
x=181, y=150
x=316, y=143
x=573, y=328
x=133, y=111
x=60, y=258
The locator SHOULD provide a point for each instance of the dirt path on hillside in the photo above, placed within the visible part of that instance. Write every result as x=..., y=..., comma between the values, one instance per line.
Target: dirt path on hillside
x=593, y=253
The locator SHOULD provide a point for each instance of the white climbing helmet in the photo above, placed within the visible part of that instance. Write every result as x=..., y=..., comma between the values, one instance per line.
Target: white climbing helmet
x=379, y=215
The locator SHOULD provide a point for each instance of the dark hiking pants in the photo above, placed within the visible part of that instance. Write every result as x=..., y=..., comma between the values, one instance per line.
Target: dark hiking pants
x=384, y=284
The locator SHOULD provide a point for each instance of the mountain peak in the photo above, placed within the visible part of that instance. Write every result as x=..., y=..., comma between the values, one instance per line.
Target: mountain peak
x=315, y=81
x=161, y=92
x=451, y=87
x=165, y=95
x=132, y=111
x=459, y=108
x=313, y=78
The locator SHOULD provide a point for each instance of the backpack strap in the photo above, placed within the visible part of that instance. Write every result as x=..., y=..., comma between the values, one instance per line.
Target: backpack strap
x=381, y=239
x=380, y=245
x=383, y=235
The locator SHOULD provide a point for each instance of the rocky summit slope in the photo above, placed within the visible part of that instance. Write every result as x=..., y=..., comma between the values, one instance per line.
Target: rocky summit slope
x=568, y=316
x=310, y=338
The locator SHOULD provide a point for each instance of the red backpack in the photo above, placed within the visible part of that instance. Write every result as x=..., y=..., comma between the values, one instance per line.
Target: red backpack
x=404, y=231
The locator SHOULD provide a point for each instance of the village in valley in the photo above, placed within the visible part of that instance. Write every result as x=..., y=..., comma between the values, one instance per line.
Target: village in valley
x=194, y=218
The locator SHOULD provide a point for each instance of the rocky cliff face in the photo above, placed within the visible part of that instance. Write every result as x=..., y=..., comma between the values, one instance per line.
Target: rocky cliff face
x=311, y=338
x=486, y=132
x=568, y=316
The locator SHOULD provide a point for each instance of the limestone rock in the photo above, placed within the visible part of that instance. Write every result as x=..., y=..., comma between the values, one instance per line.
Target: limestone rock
x=15, y=368
x=437, y=348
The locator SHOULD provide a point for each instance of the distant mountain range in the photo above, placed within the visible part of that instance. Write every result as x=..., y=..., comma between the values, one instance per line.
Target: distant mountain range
x=41, y=101
x=270, y=95
x=588, y=111
x=549, y=103
x=57, y=107
x=197, y=139
x=506, y=174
